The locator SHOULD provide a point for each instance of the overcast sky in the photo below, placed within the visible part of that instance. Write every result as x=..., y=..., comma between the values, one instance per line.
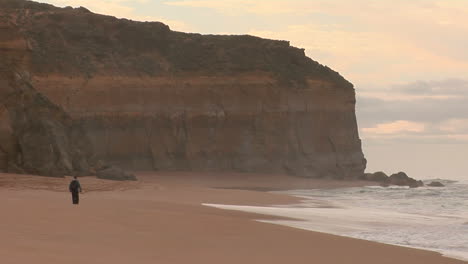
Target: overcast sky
x=408, y=60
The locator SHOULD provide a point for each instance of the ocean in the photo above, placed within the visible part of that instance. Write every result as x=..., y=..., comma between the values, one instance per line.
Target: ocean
x=432, y=218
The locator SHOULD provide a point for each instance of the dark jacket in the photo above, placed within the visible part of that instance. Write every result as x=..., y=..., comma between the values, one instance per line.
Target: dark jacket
x=74, y=186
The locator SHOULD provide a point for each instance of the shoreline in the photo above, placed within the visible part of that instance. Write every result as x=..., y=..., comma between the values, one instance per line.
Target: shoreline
x=301, y=224
x=367, y=216
x=161, y=219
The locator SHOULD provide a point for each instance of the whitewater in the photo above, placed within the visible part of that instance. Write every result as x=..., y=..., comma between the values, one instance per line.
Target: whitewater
x=432, y=218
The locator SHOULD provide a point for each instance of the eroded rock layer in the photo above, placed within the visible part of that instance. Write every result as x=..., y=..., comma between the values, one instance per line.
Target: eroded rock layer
x=152, y=98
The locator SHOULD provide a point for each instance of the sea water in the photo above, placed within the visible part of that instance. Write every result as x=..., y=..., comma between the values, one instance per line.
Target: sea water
x=433, y=218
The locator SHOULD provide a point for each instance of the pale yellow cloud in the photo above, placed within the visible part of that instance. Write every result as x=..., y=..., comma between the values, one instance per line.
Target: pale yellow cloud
x=458, y=137
x=411, y=131
x=448, y=13
x=454, y=126
x=420, y=139
x=444, y=12
x=396, y=127
x=367, y=57
x=401, y=96
x=260, y=7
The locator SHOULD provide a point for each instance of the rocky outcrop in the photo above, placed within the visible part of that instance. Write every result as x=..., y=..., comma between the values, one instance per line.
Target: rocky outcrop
x=436, y=184
x=46, y=140
x=115, y=173
x=378, y=176
x=401, y=179
x=152, y=98
x=398, y=179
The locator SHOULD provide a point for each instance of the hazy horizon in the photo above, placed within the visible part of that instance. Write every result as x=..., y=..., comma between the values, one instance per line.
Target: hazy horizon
x=407, y=60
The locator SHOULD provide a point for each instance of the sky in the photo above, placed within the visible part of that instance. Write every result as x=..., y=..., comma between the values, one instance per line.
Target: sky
x=408, y=61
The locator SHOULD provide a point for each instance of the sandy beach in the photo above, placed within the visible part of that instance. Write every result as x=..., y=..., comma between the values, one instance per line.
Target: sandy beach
x=161, y=219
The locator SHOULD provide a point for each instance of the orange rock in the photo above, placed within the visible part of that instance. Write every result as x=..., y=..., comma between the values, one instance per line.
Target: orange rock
x=152, y=98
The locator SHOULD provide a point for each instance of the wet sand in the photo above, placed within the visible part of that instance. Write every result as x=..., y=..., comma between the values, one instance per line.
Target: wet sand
x=160, y=219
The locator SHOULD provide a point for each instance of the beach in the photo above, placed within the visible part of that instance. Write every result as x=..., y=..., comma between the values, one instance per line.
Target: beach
x=161, y=219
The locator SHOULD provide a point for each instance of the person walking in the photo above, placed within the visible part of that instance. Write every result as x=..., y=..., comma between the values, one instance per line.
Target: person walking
x=75, y=189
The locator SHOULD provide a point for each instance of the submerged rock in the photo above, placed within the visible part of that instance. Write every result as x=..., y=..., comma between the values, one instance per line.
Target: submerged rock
x=399, y=179
x=435, y=184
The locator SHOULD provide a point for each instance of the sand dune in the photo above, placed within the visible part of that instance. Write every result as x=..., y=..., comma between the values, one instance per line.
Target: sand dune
x=160, y=219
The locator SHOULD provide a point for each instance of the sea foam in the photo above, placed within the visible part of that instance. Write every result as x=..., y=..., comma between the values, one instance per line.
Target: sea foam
x=426, y=218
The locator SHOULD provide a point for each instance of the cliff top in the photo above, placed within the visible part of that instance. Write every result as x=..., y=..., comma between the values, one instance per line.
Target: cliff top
x=75, y=41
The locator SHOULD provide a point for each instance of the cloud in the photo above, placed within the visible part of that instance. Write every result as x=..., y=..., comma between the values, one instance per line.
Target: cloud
x=396, y=127
x=436, y=12
x=454, y=125
x=457, y=87
x=259, y=7
x=401, y=131
x=438, y=90
x=370, y=42
x=372, y=111
x=418, y=9
x=367, y=57
x=423, y=111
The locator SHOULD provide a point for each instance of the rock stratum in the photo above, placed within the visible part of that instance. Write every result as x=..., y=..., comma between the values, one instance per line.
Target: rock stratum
x=143, y=97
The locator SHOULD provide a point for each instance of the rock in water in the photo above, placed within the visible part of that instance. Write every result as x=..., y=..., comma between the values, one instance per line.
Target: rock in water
x=378, y=176
x=436, y=184
x=401, y=179
x=152, y=98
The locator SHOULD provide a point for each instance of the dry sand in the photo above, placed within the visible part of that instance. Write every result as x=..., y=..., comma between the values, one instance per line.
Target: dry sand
x=160, y=219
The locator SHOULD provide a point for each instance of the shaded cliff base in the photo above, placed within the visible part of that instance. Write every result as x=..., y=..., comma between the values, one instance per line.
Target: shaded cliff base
x=39, y=137
x=159, y=219
x=216, y=180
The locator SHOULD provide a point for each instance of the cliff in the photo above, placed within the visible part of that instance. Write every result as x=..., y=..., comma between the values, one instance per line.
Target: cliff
x=43, y=139
x=152, y=98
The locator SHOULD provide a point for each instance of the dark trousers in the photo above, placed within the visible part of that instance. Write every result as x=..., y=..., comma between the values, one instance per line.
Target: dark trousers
x=75, y=197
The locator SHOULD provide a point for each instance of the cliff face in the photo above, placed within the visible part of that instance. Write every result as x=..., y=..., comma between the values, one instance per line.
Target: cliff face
x=152, y=98
x=44, y=139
